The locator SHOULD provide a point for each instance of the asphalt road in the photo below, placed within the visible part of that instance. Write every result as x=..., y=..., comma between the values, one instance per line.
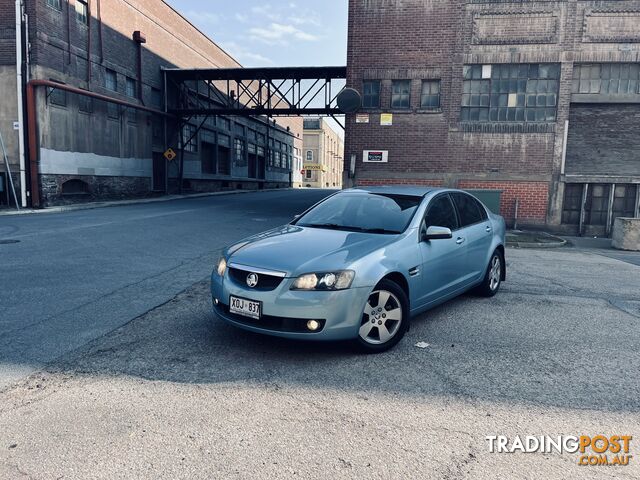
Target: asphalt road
x=175, y=394
x=78, y=275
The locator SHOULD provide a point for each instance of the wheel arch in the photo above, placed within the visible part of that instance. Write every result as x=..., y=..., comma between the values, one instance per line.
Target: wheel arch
x=400, y=280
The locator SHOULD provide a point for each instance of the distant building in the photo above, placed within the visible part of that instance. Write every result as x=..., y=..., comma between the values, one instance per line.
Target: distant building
x=323, y=155
x=91, y=149
x=538, y=100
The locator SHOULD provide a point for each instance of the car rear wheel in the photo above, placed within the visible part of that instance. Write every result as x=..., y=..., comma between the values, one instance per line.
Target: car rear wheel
x=493, y=276
x=385, y=318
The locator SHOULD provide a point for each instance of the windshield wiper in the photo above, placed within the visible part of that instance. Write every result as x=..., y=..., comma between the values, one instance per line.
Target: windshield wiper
x=329, y=226
x=379, y=230
x=335, y=226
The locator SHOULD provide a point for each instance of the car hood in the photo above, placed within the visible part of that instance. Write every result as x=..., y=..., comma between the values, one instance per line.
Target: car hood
x=296, y=250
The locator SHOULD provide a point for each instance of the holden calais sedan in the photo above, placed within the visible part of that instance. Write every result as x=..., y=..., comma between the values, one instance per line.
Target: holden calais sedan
x=359, y=264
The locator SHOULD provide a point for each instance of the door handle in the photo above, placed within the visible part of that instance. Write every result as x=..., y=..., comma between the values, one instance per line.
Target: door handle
x=488, y=229
x=460, y=240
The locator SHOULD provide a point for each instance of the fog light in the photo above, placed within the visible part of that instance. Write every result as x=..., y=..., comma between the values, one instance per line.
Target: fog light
x=216, y=301
x=313, y=325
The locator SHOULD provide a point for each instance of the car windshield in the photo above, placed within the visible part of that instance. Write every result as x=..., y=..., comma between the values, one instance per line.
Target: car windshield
x=358, y=212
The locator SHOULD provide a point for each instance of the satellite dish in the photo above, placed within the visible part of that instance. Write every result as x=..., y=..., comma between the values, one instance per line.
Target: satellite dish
x=349, y=100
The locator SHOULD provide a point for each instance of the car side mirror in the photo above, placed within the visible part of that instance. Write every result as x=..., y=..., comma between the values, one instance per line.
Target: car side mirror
x=437, y=233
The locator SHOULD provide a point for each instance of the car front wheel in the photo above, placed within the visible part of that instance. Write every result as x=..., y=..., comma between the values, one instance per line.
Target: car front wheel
x=493, y=276
x=385, y=319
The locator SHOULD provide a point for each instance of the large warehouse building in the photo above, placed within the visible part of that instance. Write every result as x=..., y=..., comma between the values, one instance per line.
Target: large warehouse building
x=539, y=100
x=68, y=146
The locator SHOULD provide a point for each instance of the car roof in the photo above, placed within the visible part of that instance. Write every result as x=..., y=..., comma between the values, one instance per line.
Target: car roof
x=415, y=190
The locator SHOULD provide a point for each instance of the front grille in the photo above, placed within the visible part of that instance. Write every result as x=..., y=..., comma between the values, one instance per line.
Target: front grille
x=265, y=282
x=268, y=322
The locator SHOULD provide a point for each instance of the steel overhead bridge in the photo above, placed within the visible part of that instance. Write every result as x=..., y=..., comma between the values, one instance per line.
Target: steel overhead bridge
x=280, y=91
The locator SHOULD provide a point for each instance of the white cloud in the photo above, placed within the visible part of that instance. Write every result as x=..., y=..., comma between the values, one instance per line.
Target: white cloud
x=278, y=33
x=244, y=55
x=310, y=19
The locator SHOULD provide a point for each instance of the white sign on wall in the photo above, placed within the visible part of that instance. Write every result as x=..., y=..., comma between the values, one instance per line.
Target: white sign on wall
x=375, y=156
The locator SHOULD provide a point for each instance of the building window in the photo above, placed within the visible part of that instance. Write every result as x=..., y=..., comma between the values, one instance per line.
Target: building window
x=430, y=94
x=607, y=79
x=85, y=104
x=238, y=129
x=309, y=155
x=189, y=138
x=308, y=175
x=82, y=12
x=401, y=94
x=371, y=94
x=510, y=93
x=131, y=87
x=156, y=98
x=571, y=204
x=597, y=205
x=224, y=123
x=58, y=96
x=55, y=4
x=111, y=80
x=239, y=152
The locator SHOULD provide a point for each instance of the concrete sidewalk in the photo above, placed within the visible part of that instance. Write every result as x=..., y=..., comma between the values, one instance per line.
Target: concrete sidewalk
x=119, y=203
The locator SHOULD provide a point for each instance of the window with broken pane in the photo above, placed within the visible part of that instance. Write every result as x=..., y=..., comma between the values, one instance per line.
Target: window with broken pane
x=510, y=92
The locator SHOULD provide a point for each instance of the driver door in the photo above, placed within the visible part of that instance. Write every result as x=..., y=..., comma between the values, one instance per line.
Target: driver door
x=443, y=260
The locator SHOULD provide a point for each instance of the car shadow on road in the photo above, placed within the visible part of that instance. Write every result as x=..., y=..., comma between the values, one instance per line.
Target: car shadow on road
x=477, y=351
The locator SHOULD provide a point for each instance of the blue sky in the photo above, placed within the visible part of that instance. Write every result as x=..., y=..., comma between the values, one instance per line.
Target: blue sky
x=276, y=33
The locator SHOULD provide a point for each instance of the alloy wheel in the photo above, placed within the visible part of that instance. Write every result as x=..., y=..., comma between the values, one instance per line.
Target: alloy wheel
x=381, y=318
x=495, y=272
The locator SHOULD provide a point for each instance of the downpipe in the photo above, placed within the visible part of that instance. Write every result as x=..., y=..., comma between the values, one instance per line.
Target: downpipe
x=20, y=87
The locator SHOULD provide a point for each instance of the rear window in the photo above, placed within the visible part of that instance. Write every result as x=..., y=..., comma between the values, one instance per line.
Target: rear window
x=377, y=213
x=469, y=210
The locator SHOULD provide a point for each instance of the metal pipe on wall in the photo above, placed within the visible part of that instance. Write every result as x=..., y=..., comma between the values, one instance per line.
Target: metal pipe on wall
x=33, y=124
x=20, y=86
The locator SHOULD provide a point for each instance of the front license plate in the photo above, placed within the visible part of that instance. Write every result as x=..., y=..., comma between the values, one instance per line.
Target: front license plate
x=244, y=307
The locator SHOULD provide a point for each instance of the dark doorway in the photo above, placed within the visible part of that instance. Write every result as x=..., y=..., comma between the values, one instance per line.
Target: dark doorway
x=208, y=157
x=159, y=172
x=253, y=165
x=261, y=165
x=224, y=160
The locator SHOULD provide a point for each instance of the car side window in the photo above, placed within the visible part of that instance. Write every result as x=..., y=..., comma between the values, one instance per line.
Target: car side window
x=468, y=209
x=441, y=213
x=483, y=211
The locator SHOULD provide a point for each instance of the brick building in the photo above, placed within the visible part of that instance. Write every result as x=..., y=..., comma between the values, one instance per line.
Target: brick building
x=538, y=99
x=323, y=155
x=88, y=148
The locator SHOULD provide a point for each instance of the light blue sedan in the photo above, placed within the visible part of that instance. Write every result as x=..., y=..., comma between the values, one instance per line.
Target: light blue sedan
x=359, y=264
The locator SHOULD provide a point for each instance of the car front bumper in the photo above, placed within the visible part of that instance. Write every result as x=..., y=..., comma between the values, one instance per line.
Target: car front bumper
x=285, y=312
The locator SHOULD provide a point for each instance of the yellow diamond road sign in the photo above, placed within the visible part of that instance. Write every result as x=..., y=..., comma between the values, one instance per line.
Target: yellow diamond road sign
x=169, y=154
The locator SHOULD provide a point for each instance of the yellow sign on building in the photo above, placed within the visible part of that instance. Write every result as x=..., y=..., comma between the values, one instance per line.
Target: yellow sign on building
x=314, y=166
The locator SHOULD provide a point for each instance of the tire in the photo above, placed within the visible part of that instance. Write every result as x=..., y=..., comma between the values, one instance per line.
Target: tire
x=493, y=276
x=393, y=316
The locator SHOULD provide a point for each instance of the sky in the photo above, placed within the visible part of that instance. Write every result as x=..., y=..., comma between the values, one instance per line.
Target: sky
x=276, y=33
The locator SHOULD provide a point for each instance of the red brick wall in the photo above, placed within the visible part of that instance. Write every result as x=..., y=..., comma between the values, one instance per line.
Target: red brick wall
x=399, y=181
x=532, y=197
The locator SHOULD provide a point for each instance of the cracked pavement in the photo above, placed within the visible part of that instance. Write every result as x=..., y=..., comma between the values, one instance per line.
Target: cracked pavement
x=172, y=393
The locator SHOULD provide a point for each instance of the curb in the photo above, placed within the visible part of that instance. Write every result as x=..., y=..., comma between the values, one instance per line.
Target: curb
x=513, y=238
x=536, y=244
x=140, y=201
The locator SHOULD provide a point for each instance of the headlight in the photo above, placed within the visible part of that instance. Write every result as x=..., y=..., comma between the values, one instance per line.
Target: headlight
x=222, y=266
x=339, y=280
